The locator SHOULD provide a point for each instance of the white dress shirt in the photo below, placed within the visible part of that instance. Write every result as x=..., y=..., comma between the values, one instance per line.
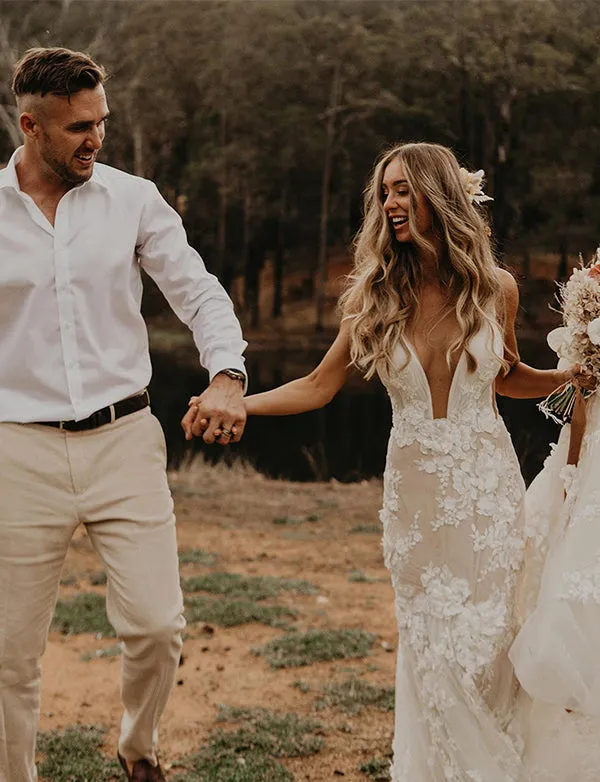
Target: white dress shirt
x=72, y=338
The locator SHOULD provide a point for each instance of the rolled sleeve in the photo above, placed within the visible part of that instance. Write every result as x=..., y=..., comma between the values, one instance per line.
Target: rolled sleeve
x=196, y=296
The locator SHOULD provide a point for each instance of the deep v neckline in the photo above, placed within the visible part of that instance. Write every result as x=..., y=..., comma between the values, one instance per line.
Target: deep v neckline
x=419, y=364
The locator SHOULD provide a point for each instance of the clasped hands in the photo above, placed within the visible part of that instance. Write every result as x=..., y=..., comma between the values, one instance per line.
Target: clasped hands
x=218, y=414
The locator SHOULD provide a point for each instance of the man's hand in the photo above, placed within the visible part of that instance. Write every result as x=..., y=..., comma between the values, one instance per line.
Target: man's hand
x=218, y=414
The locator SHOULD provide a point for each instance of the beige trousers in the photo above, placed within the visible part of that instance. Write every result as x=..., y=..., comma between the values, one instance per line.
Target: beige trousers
x=113, y=480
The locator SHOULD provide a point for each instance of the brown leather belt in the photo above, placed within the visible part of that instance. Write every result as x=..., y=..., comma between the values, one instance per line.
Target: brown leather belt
x=105, y=416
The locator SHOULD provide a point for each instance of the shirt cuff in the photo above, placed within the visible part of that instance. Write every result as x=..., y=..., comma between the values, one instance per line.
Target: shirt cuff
x=227, y=361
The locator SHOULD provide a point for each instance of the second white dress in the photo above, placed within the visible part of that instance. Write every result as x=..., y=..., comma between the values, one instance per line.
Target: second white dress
x=557, y=652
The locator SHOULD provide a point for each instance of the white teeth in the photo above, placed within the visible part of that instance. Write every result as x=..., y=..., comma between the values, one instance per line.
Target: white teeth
x=399, y=220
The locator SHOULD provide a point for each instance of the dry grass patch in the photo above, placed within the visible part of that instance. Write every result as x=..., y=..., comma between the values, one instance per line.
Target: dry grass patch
x=353, y=695
x=298, y=649
x=230, y=613
x=74, y=756
x=377, y=769
x=250, y=753
x=250, y=587
x=85, y=613
x=198, y=556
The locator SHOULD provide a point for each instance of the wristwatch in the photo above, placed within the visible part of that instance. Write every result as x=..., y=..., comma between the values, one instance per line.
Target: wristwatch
x=234, y=374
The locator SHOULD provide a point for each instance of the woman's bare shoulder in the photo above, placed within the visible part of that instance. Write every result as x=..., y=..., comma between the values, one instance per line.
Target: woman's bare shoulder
x=508, y=286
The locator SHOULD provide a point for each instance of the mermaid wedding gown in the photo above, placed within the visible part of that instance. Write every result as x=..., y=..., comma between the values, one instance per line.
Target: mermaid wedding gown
x=557, y=652
x=453, y=539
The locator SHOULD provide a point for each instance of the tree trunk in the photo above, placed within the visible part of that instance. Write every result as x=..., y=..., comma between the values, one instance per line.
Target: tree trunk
x=246, y=260
x=280, y=253
x=501, y=173
x=138, y=150
x=11, y=126
x=222, y=211
x=563, y=266
x=330, y=128
x=253, y=256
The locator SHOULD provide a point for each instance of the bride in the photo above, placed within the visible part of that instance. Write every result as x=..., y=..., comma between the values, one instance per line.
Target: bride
x=427, y=308
x=557, y=651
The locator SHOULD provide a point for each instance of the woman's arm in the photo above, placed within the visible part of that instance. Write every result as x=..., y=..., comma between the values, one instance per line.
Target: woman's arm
x=578, y=422
x=311, y=391
x=522, y=381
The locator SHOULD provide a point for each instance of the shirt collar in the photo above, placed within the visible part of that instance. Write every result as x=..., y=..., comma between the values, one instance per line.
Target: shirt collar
x=8, y=175
x=9, y=178
x=98, y=178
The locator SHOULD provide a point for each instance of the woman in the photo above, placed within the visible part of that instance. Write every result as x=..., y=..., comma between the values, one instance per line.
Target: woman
x=423, y=309
x=556, y=652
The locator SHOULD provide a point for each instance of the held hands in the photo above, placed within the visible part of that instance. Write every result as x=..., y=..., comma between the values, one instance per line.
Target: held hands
x=218, y=414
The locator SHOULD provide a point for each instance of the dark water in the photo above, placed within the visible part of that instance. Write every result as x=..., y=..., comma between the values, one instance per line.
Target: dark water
x=347, y=440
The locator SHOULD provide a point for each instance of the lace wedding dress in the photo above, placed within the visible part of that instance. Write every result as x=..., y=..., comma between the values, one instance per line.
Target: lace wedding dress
x=557, y=652
x=453, y=538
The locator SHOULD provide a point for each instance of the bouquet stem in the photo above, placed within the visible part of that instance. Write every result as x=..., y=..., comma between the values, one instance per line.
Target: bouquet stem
x=560, y=403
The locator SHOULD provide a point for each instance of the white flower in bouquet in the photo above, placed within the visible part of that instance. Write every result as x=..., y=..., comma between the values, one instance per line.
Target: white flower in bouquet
x=593, y=331
x=563, y=343
x=578, y=340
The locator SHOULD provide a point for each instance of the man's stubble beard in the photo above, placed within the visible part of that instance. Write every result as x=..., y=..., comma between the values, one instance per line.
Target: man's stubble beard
x=62, y=170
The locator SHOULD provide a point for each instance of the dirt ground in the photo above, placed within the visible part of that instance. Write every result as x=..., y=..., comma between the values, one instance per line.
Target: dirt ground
x=324, y=533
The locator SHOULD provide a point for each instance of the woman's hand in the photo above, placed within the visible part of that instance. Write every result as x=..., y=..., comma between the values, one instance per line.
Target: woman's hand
x=583, y=378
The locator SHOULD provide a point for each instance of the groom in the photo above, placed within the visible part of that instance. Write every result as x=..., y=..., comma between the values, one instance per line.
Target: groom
x=78, y=443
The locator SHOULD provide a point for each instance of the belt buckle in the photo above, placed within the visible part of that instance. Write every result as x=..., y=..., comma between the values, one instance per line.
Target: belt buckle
x=61, y=426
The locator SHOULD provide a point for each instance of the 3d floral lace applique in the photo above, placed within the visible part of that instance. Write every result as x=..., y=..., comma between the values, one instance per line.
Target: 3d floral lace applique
x=453, y=540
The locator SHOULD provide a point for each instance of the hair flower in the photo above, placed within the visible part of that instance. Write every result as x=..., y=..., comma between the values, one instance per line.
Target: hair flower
x=473, y=184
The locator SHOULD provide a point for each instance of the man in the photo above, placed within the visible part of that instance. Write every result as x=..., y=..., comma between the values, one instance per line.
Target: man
x=78, y=443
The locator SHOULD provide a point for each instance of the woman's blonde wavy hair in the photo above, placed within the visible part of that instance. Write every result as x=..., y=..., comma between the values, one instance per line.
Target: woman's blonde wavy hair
x=383, y=289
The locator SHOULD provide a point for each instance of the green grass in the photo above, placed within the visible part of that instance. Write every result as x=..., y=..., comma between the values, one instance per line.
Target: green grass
x=326, y=503
x=230, y=613
x=74, y=756
x=377, y=768
x=301, y=685
x=298, y=649
x=197, y=556
x=359, y=576
x=250, y=587
x=207, y=766
x=282, y=521
x=371, y=529
x=250, y=753
x=279, y=735
x=85, y=613
x=353, y=695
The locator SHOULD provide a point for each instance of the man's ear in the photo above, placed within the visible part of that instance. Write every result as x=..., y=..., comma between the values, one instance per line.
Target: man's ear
x=29, y=124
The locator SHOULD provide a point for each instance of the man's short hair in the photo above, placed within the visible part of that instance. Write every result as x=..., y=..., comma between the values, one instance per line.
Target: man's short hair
x=55, y=71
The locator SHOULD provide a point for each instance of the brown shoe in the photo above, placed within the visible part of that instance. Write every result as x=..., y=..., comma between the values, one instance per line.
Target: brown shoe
x=143, y=771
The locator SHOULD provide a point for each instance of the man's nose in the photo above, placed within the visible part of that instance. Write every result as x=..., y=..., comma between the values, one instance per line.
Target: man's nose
x=96, y=138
